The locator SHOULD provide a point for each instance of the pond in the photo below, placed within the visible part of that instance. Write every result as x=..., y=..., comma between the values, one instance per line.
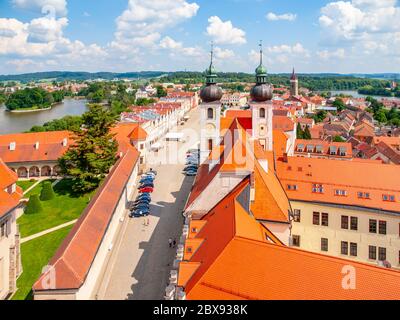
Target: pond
x=21, y=122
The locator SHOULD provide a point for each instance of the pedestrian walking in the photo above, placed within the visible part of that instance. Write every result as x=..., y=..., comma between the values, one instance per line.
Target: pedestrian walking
x=148, y=221
x=170, y=242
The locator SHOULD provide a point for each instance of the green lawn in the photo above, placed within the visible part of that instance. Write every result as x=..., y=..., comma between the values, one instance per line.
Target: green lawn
x=26, y=184
x=65, y=207
x=35, y=255
x=38, y=188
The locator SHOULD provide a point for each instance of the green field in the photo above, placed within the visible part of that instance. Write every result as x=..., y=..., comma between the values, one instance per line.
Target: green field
x=38, y=188
x=65, y=207
x=35, y=255
x=26, y=184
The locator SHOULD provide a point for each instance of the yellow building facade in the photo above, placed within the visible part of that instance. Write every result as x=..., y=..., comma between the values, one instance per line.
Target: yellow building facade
x=368, y=235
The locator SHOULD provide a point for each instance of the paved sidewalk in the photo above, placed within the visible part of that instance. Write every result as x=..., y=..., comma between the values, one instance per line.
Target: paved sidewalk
x=37, y=235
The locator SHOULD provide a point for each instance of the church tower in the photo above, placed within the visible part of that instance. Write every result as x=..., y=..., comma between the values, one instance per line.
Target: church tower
x=294, y=84
x=210, y=108
x=261, y=107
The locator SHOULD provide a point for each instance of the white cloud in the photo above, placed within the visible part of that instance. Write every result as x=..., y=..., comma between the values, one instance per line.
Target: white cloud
x=50, y=7
x=44, y=30
x=276, y=17
x=337, y=54
x=223, y=54
x=224, y=32
x=142, y=23
x=296, y=49
x=357, y=19
x=177, y=49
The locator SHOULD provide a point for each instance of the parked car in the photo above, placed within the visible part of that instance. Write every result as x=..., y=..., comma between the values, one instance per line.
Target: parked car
x=146, y=185
x=143, y=195
x=146, y=190
x=139, y=213
x=141, y=201
x=146, y=179
x=190, y=168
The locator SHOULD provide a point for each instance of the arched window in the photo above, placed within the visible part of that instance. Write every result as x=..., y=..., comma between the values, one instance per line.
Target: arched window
x=262, y=113
x=210, y=113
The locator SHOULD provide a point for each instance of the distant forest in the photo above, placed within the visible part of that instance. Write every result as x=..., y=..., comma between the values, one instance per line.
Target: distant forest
x=315, y=82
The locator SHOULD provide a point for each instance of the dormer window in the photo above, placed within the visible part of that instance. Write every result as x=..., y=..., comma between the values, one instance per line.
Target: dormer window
x=388, y=197
x=194, y=230
x=333, y=151
x=343, y=151
x=318, y=149
x=300, y=148
x=340, y=192
x=189, y=250
x=310, y=148
x=363, y=195
x=318, y=188
x=292, y=187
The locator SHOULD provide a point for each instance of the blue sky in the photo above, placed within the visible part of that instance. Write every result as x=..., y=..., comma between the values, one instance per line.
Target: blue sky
x=134, y=35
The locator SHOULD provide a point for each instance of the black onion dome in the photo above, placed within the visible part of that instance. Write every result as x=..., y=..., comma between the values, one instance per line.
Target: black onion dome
x=261, y=92
x=211, y=93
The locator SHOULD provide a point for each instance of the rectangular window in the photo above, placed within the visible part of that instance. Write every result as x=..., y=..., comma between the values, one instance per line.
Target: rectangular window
x=382, y=254
x=295, y=241
x=325, y=219
x=388, y=197
x=372, y=226
x=345, y=222
x=382, y=227
x=296, y=215
x=316, y=218
x=340, y=193
x=324, y=244
x=372, y=252
x=344, y=248
x=354, y=223
x=3, y=229
x=318, y=188
x=353, y=249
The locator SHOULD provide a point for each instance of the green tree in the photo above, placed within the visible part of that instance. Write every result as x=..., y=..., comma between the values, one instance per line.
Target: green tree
x=307, y=134
x=338, y=139
x=299, y=132
x=339, y=104
x=47, y=192
x=161, y=92
x=89, y=160
x=34, y=205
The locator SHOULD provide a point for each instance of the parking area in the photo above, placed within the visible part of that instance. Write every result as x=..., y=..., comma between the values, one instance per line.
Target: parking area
x=141, y=259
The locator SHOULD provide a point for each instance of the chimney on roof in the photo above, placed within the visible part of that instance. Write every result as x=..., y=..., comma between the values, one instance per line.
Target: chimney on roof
x=252, y=188
x=12, y=146
x=65, y=142
x=285, y=158
x=37, y=146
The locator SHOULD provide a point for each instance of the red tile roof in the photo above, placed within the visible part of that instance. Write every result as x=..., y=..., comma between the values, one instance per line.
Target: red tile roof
x=8, y=201
x=74, y=258
x=50, y=146
x=353, y=176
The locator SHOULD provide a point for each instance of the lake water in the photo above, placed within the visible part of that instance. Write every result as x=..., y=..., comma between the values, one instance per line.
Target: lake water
x=21, y=122
x=355, y=94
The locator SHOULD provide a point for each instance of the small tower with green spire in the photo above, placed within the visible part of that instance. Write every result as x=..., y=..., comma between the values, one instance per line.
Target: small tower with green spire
x=261, y=71
x=210, y=107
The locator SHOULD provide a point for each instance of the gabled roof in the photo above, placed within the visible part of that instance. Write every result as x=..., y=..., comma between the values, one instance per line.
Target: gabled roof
x=374, y=178
x=73, y=260
x=8, y=201
x=238, y=258
x=282, y=123
x=50, y=147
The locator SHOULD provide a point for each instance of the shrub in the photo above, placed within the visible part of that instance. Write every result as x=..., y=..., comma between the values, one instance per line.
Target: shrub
x=34, y=205
x=47, y=192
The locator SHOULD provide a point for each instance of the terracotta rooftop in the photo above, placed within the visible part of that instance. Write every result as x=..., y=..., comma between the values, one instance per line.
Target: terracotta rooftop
x=8, y=199
x=236, y=258
x=373, y=179
x=74, y=258
x=31, y=147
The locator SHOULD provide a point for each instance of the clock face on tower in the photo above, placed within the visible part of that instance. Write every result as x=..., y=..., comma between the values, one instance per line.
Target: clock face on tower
x=210, y=128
